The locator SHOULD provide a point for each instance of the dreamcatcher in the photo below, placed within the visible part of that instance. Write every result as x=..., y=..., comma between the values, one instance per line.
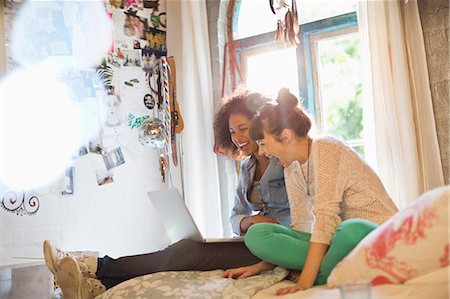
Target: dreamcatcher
x=287, y=24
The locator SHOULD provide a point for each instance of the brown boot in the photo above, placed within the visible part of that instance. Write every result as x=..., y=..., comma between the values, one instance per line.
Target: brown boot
x=75, y=285
x=53, y=255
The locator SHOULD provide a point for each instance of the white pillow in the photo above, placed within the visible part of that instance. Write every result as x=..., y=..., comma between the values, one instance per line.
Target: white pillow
x=413, y=242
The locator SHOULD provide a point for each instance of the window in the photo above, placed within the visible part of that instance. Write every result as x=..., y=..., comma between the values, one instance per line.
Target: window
x=323, y=70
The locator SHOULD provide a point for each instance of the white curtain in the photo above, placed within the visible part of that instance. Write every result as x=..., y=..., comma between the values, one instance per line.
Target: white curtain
x=394, y=61
x=188, y=42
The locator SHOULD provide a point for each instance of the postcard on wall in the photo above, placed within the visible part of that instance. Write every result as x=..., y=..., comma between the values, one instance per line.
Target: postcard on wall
x=113, y=158
x=68, y=180
x=104, y=177
x=131, y=58
x=134, y=25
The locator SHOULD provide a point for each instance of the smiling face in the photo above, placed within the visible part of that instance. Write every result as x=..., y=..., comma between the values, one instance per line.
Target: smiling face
x=273, y=147
x=238, y=125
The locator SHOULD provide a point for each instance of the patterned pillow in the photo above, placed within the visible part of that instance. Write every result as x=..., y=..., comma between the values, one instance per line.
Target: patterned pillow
x=413, y=242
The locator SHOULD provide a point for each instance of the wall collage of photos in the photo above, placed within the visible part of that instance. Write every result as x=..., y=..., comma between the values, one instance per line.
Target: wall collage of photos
x=125, y=97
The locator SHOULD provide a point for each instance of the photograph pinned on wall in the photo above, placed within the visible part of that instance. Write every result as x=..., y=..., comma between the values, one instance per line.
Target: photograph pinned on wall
x=104, y=177
x=68, y=180
x=82, y=83
x=114, y=58
x=113, y=158
x=82, y=150
x=152, y=4
x=134, y=4
x=138, y=44
x=150, y=60
x=116, y=4
x=131, y=58
x=134, y=25
x=96, y=147
x=156, y=40
x=158, y=20
x=52, y=37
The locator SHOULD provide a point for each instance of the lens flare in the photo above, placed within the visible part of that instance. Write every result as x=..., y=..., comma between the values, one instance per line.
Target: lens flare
x=40, y=128
x=79, y=30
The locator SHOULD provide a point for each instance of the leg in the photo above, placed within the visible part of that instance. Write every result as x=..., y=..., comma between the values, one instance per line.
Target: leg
x=348, y=234
x=278, y=244
x=182, y=256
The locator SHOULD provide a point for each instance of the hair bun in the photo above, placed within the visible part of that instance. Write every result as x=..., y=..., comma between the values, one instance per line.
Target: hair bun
x=286, y=98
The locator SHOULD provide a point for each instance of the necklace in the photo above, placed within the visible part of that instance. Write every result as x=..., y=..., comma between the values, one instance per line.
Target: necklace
x=306, y=178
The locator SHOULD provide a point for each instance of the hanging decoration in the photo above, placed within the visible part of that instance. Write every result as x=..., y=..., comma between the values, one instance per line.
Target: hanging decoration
x=20, y=202
x=151, y=133
x=287, y=24
x=177, y=123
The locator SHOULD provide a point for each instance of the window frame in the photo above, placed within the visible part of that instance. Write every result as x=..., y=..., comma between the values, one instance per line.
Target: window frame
x=307, y=35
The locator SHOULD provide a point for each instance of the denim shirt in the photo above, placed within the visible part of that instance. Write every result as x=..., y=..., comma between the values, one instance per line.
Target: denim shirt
x=272, y=192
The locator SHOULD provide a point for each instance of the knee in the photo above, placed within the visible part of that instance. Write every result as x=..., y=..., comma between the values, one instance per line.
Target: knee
x=185, y=244
x=258, y=237
x=354, y=230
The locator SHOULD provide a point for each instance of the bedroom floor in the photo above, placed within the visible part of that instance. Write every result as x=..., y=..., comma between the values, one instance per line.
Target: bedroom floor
x=25, y=282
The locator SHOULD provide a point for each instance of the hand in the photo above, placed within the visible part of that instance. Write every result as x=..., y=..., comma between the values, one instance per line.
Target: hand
x=261, y=218
x=248, y=221
x=290, y=290
x=243, y=272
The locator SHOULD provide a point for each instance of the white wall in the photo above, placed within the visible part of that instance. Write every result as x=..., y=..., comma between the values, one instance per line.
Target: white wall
x=115, y=219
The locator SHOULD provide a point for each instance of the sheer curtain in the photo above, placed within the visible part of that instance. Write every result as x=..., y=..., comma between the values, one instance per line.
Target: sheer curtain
x=187, y=41
x=404, y=130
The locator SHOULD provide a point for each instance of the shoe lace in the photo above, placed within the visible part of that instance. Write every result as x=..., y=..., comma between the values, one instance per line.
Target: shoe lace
x=84, y=268
x=94, y=286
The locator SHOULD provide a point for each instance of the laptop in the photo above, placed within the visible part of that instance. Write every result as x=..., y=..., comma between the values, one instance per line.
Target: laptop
x=176, y=218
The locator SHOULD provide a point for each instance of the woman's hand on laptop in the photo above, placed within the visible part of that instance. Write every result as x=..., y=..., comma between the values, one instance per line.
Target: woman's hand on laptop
x=243, y=272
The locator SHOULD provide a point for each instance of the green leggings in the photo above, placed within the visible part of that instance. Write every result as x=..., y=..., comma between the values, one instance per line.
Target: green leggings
x=288, y=248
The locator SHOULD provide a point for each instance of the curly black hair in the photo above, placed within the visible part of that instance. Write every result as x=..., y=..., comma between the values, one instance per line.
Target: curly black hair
x=241, y=101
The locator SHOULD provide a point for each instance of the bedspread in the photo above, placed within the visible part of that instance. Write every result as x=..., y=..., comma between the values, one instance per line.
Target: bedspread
x=193, y=284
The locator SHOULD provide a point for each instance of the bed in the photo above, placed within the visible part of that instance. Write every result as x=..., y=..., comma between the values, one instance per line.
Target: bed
x=406, y=257
x=209, y=284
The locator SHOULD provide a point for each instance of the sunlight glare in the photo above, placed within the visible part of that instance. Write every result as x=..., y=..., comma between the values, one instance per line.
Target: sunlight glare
x=269, y=71
x=79, y=30
x=40, y=128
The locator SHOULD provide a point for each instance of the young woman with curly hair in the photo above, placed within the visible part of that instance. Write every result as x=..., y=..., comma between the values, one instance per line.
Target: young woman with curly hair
x=260, y=197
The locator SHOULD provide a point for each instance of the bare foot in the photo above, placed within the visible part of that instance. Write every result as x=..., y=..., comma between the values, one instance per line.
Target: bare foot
x=294, y=275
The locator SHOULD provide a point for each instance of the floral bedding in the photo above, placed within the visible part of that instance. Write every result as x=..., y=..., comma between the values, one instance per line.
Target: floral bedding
x=193, y=284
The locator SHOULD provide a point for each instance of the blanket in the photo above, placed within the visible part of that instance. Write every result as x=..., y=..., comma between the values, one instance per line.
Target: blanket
x=193, y=284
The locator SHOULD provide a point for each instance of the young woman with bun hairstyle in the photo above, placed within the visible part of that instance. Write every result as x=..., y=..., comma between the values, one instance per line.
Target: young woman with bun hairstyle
x=260, y=197
x=336, y=199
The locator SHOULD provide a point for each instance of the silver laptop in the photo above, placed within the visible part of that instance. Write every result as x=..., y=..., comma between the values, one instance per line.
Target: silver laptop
x=176, y=218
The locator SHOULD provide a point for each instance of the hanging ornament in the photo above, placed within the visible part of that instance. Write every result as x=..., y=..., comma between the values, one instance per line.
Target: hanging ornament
x=152, y=133
x=287, y=24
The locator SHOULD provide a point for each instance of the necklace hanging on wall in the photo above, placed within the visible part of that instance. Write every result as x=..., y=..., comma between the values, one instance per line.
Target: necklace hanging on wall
x=287, y=24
